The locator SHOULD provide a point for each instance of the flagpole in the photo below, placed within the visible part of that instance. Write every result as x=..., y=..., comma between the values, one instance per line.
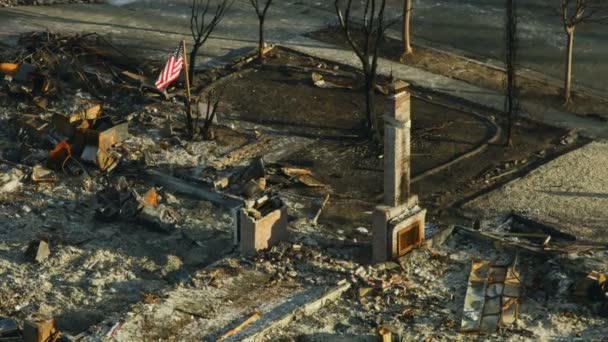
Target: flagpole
x=185, y=54
x=188, y=102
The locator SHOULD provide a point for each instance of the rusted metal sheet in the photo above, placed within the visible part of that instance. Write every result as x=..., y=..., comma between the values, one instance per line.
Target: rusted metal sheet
x=492, y=299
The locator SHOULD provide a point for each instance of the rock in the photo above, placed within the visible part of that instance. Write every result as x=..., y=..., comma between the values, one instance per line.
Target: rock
x=171, y=199
x=364, y=291
x=174, y=263
x=360, y=272
x=569, y=138
x=10, y=181
x=362, y=230
x=97, y=282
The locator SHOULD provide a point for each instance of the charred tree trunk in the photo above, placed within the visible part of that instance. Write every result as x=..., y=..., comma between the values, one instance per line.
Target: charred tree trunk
x=261, y=41
x=569, y=59
x=573, y=13
x=370, y=109
x=201, y=28
x=367, y=50
x=511, y=100
x=193, y=54
x=261, y=11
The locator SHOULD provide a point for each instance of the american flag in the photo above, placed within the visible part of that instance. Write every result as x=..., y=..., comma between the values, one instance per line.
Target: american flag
x=172, y=69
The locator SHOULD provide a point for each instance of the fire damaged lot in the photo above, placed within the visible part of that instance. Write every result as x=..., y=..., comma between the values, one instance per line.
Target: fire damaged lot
x=122, y=219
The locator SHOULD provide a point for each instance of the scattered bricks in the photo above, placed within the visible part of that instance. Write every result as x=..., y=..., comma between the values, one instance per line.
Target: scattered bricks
x=258, y=233
x=38, y=329
x=38, y=249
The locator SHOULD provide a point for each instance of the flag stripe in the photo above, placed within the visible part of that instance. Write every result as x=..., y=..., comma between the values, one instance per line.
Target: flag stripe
x=172, y=69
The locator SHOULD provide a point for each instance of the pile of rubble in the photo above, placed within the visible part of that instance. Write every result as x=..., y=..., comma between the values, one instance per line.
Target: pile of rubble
x=91, y=170
x=439, y=292
x=83, y=234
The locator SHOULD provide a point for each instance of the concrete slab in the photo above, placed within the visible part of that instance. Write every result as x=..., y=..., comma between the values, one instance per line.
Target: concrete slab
x=572, y=189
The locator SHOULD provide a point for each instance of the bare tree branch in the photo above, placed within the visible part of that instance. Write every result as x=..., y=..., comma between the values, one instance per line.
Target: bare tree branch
x=201, y=28
x=366, y=48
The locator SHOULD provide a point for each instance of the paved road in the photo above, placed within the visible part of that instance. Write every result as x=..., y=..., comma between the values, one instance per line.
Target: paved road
x=477, y=27
x=473, y=26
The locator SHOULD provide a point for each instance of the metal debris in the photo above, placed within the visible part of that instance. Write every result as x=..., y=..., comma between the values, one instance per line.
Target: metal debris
x=41, y=174
x=8, y=328
x=492, y=299
x=593, y=287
